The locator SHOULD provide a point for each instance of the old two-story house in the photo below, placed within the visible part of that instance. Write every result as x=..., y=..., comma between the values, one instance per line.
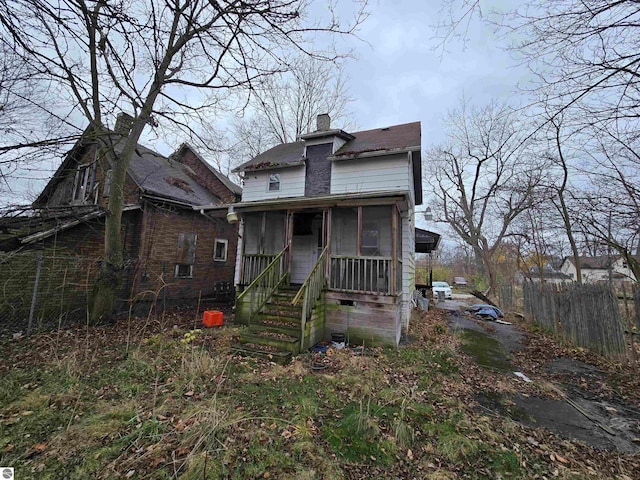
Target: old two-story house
x=327, y=238
x=171, y=247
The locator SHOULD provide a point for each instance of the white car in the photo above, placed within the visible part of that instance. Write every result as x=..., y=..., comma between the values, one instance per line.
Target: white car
x=441, y=287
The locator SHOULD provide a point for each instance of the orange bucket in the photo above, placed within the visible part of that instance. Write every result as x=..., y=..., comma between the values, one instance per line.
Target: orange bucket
x=213, y=318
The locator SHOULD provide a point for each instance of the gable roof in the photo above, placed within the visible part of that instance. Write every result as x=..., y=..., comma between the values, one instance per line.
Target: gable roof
x=404, y=137
x=155, y=174
x=158, y=175
x=600, y=262
x=283, y=155
x=234, y=188
x=378, y=141
x=394, y=138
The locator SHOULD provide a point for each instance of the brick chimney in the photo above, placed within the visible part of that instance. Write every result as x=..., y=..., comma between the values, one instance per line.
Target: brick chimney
x=124, y=122
x=323, y=122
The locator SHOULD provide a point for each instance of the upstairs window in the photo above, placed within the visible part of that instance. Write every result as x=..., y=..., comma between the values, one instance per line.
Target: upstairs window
x=274, y=182
x=220, y=250
x=81, y=184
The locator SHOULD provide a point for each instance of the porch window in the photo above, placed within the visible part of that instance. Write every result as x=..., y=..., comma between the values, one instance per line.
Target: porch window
x=274, y=182
x=220, y=250
x=185, y=255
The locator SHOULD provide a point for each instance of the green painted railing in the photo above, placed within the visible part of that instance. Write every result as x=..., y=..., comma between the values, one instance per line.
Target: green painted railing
x=310, y=292
x=259, y=291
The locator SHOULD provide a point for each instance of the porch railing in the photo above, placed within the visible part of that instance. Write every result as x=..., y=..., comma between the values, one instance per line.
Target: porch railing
x=259, y=291
x=253, y=264
x=311, y=290
x=361, y=274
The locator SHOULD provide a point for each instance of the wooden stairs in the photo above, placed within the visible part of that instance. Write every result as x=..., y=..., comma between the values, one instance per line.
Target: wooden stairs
x=275, y=333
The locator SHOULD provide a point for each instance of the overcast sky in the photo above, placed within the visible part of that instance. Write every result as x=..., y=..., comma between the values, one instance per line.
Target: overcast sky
x=400, y=76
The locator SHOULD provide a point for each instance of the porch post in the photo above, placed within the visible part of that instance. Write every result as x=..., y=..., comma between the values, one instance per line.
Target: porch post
x=394, y=250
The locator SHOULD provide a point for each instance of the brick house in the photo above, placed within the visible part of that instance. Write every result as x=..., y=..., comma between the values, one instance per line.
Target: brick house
x=328, y=240
x=171, y=246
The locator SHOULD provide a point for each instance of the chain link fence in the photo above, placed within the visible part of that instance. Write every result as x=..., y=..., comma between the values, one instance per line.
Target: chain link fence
x=47, y=292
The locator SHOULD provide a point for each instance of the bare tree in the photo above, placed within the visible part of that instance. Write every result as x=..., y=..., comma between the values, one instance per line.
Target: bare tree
x=285, y=106
x=162, y=60
x=482, y=179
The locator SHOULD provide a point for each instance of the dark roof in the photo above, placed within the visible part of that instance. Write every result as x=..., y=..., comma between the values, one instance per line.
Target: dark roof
x=155, y=174
x=283, y=155
x=426, y=241
x=387, y=139
x=158, y=175
x=234, y=188
x=396, y=137
x=600, y=262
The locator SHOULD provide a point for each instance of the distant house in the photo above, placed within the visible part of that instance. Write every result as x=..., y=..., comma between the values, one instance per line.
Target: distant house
x=548, y=275
x=327, y=237
x=597, y=269
x=170, y=244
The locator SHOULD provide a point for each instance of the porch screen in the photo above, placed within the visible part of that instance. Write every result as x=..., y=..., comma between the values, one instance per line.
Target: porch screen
x=376, y=231
x=252, y=232
x=344, y=231
x=274, y=232
x=264, y=232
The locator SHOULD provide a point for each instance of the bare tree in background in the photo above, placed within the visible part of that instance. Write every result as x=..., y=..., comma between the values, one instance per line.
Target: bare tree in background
x=285, y=106
x=160, y=60
x=610, y=211
x=482, y=179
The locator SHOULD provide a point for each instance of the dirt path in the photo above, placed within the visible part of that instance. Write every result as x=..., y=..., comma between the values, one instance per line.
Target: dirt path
x=575, y=400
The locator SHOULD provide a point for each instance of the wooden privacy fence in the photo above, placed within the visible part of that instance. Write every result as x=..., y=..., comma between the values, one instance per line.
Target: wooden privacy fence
x=586, y=315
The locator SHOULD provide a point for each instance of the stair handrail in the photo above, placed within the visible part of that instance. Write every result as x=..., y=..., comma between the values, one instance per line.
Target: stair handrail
x=264, y=285
x=311, y=290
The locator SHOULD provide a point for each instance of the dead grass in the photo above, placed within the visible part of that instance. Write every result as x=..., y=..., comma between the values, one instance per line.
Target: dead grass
x=166, y=401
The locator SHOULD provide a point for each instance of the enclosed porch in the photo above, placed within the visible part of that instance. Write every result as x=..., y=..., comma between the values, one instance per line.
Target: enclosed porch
x=363, y=247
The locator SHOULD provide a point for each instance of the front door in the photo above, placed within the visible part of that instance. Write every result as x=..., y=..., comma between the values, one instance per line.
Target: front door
x=306, y=244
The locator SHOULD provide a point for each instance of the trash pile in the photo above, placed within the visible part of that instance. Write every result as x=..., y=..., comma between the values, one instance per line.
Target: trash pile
x=484, y=311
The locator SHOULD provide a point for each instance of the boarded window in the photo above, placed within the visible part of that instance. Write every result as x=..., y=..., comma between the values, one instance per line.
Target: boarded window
x=220, y=250
x=186, y=254
x=108, y=178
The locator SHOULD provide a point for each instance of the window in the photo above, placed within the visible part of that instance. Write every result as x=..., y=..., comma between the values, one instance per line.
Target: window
x=81, y=184
x=108, y=177
x=185, y=255
x=220, y=250
x=184, y=271
x=274, y=182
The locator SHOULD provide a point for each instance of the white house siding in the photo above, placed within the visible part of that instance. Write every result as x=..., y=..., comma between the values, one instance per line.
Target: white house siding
x=370, y=174
x=256, y=184
x=408, y=264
